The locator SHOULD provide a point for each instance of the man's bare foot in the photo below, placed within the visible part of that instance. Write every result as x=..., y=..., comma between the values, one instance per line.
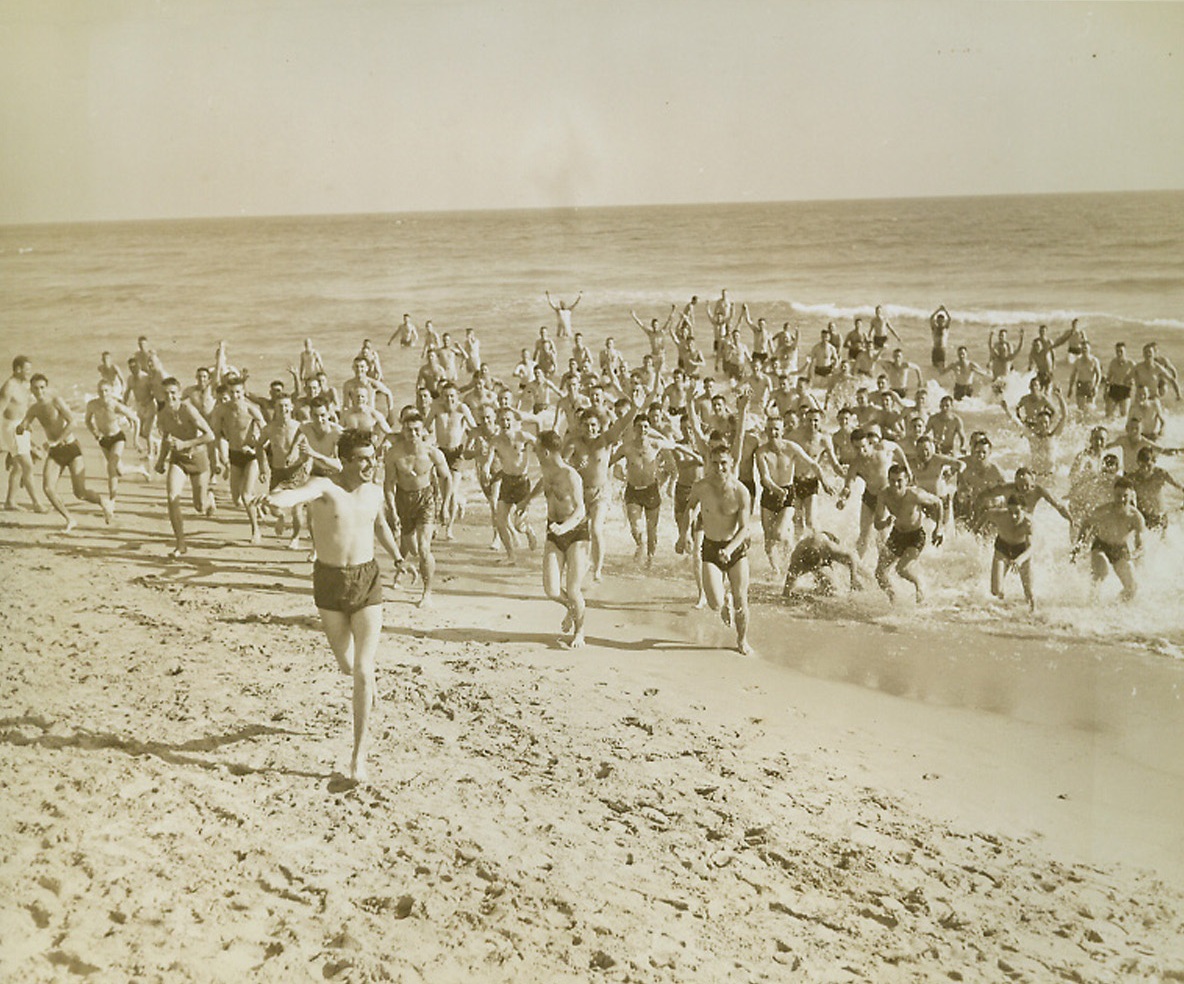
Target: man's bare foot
x=575, y=642
x=639, y=554
x=294, y=543
x=725, y=610
x=10, y=507
x=71, y=523
x=425, y=601
x=358, y=771
x=107, y=504
x=700, y=604
x=211, y=506
x=180, y=551
x=743, y=648
x=569, y=622
x=597, y=576
x=38, y=507
x=256, y=538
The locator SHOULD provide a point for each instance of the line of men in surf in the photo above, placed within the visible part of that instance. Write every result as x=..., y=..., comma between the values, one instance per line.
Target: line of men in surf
x=663, y=429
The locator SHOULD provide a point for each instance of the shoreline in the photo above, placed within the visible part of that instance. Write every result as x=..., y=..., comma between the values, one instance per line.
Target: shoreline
x=175, y=736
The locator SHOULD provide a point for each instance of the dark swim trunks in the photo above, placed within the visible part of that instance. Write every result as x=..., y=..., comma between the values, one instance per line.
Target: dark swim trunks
x=1113, y=552
x=453, y=457
x=962, y=392
x=823, y=370
x=564, y=540
x=63, y=454
x=938, y=356
x=750, y=484
x=192, y=462
x=415, y=507
x=901, y=540
x=776, y=499
x=711, y=549
x=1118, y=393
x=108, y=441
x=240, y=457
x=1086, y=390
x=870, y=499
x=1012, y=551
x=649, y=497
x=682, y=498
x=346, y=589
x=805, y=487
x=514, y=489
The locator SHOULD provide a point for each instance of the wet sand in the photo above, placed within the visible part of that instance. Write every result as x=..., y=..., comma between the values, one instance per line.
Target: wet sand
x=861, y=803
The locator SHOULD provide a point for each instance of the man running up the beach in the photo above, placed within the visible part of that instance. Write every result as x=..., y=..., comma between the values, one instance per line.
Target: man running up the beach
x=873, y=463
x=903, y=506
x=184, y=454
x=103, y=419
x=415, y=470
x=1013, y=546
x=15, y=399
x=724, y=506
x=565, y=552
x=56, y=420
x=346, y=514
x=1112, y=526
x=239, y=422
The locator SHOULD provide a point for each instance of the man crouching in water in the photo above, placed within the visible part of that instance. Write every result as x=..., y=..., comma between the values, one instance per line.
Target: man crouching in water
x=345, y=514
x=724, y=505
x=565, y=552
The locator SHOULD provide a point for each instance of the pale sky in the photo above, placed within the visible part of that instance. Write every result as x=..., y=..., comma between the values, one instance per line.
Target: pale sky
x=124, y=109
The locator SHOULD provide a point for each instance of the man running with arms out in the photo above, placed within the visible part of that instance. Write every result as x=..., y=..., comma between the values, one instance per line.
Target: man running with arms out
x=345, y=514
x=103, y=416
x=873, y=463
x=56, y=420
x=724, y=506
x=779, y=463
x=565, y=552
x=1112, y=526
x=412, y=467
x=15, y=400
x=184, y=453
x=509, y=448
x=239, y=422
x=903, y=506
x=563, y=312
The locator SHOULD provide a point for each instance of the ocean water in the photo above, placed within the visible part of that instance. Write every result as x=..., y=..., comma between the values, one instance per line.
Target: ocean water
x=69, y=292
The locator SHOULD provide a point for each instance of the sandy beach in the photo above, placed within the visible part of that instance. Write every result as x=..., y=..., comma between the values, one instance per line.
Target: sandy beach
x=653, y=808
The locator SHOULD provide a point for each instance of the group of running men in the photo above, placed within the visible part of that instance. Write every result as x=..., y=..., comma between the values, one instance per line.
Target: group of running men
x=765, y=424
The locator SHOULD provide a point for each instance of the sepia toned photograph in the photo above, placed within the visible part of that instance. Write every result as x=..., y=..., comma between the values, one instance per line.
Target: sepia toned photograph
x=538, y=491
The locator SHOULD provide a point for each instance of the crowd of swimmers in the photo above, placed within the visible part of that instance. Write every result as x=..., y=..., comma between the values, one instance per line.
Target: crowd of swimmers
x=731, y=420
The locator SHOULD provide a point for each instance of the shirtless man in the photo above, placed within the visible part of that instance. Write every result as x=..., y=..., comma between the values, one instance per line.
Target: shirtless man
x=15, y=399
x=964, y=371
x=109, y=373
x=57, y=421
x=949, y=433
x=903, y=506
x=1149, y=481
x=873, y=461
x=406, y=333
x=815, y=553
x=1085, y=378
x=1042, y=357
x=937, y=474
x=509, y=447
x=414, y=471
x=361, y=380
x=898, y=370
x=452, y=422
x=322, y=433
x=1120, y=376
x=642, y=450
x=589, y=450
x=346, y=514
x=817, y=444
x=289, y=460
x=978, y=475
x=563, y=312
x=724, y=505
x=310, y=363
x=939, y=327
x=1041, y=429
x=1002, y=353
x=239, y=423
x=565, y=552
x=1013, y=547
x=360, y=414
x=1153, y=373
x=104, y=415
x=779, y=463
x=655, y=333
x=878, y=331
x=1112, y=527
x=544, y=354
x=184, y=454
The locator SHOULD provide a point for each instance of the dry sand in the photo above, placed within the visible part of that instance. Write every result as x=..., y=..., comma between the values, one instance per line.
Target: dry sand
x=652, y=808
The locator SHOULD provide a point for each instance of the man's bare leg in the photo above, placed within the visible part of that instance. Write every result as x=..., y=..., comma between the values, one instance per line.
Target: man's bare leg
x=49, y=478
x=366, y=625
x=738, y=584
x=174, y=489
x=427, y=563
